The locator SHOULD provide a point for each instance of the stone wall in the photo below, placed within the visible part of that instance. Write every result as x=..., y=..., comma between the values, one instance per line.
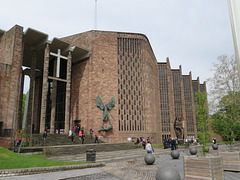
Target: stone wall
x=11, y=50
x=151, y=94
x=98, y=76
x=95, y=77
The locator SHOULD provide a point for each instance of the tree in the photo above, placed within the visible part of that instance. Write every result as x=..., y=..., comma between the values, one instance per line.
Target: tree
x=203, y=120
x=23, y=104
x=226, y=121
x=225, y=80
x=225, y=97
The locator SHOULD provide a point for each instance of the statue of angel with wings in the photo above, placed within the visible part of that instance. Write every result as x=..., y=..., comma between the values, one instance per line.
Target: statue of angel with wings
x=105, y=108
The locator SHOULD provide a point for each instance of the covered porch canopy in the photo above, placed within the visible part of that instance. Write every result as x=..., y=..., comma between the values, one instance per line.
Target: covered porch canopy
x=43, y=57
x=35, y=41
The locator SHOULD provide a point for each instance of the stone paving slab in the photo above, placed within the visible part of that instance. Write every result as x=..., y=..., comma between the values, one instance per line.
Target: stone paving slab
x=58, y=175
x=37, y=170
x=109, y=156
x=122, y=165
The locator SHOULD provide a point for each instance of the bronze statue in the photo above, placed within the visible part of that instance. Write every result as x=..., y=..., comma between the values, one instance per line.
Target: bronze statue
x=178, y=127
x=105, y=108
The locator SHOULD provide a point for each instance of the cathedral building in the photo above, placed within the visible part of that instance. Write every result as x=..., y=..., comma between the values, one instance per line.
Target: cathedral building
x=110, y=82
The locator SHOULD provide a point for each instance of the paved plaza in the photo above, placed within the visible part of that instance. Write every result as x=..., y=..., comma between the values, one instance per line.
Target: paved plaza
x=120, y=165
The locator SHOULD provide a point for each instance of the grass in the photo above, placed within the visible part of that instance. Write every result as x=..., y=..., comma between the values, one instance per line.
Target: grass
x=11, y=160
x=158, y=145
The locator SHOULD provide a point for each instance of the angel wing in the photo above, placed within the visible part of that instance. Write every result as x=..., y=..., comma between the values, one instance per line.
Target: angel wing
x=111, y=104
x=100, y=103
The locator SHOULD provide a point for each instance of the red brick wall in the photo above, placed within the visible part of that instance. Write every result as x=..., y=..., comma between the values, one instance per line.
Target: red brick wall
x=5, y=142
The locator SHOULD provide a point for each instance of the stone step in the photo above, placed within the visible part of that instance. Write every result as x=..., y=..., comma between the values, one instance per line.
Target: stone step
x=78, y=148
x=61, y=139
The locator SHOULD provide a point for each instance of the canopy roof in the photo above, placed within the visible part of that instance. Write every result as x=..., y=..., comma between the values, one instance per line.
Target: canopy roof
x=36, y=41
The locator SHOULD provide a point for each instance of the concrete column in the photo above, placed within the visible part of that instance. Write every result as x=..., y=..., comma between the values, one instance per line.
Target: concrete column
x=54, y=97
x=44, y=89
x=68, y=94
x=31, y=93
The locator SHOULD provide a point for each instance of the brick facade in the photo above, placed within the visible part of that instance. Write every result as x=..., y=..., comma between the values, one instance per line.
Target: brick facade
x=123, y=66
x=11, y=51
x=148, y=95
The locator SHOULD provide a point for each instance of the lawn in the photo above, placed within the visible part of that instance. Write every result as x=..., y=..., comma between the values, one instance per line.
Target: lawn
x=158, y=145
x=11, y=160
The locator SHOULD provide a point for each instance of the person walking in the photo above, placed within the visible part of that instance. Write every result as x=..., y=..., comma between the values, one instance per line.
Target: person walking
x=138, y=142
x=75, y=129
x=164, y=143
x=44, y=137
x=176, y=143
x=91, y=133
x=144, y=143
x=96, y=139
x=149, y=148
x=214, y=140
x=172, y=143
x=83, y=137
x=80, y=135
x=71, y=135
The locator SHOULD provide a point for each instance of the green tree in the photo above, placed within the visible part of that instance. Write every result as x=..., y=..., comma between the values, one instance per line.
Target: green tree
x=203, y=120
x=224, y=82
x=23, y=107
x=225, y=97
x=23, y=104
x=226, y=121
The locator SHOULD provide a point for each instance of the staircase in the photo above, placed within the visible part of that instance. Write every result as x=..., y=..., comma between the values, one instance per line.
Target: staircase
x=60, y=139
x=60, y=144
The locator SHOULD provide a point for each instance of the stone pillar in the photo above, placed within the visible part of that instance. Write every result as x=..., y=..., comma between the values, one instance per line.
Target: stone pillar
x=19, y=125
x=171, y=99
x=44, y=89
x=37, y=103
x=68, y=94
x=54, y=96
x=183, y=104
x=31, y=93
x=193, y=109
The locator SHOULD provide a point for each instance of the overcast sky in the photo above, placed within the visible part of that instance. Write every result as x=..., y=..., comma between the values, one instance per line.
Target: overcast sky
x=192, y=33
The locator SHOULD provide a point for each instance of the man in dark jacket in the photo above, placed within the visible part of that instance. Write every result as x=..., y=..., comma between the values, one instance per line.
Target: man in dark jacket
x=173, y=144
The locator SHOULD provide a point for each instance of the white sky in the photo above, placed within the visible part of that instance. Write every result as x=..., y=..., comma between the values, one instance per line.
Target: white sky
x=192, y=33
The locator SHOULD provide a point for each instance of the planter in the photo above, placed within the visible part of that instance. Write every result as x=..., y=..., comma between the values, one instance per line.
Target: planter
x=193, y=151
x=215, y=147
x=231, y=160
x=175, y=154
x=205, y=167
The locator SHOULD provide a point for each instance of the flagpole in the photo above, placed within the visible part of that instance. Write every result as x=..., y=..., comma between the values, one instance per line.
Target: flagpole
x=95, y=23
x=234, y=12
